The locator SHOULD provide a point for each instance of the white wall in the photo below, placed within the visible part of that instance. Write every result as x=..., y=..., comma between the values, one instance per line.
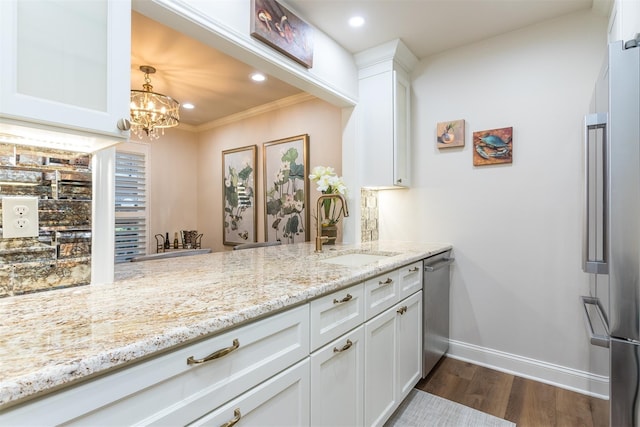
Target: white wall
x=224, y=25
x=319, y=119
x=515, y=229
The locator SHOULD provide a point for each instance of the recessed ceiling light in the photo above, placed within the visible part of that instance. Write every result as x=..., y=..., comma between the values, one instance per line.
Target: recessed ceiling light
x=356, y=21
x=258, y=77
x=188, y=106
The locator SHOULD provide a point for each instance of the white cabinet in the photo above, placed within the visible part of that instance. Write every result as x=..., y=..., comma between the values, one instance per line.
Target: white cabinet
x=65, y=64
x=279, y=402
x=334, y=314
x=410, y=279
x=409, y=345
x=337, y=382
x=392, y=358
x=171, y=390
x=384, y=114
x=381, y=292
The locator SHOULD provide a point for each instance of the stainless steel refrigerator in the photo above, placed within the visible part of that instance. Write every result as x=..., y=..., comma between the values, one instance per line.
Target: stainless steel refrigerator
x=612, y=226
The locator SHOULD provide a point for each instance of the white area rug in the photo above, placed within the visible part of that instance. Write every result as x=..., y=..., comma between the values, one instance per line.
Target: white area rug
x=424, y=409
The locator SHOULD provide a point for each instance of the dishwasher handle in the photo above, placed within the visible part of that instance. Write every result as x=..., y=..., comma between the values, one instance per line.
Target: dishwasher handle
x=438, y=265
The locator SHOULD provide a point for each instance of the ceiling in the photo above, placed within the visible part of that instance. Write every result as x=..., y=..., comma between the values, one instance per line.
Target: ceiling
x=219, y=85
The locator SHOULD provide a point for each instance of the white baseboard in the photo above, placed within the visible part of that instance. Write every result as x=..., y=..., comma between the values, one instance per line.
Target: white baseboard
x=548, y=373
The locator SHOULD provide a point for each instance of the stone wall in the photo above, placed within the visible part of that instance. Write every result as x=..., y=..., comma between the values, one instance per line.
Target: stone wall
x=369, y=215
x=61, y=254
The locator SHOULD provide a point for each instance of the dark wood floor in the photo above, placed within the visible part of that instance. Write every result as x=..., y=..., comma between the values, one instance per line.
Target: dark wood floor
x=519, y=400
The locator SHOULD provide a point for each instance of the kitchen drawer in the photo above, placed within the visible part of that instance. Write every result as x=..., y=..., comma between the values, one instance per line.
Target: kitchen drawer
x=334, y=314
x=280, y=401
x=166, y=390
x=410, y=279
x=381, y=292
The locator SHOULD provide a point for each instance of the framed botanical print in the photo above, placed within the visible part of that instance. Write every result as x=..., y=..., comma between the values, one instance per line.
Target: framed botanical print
x=238, y=193
x=286, y=189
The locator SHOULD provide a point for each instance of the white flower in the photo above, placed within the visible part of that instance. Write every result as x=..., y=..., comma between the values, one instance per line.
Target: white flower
x=327, y=180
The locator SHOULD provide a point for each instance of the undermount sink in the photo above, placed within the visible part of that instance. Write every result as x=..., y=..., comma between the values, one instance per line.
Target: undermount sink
x=354, y=260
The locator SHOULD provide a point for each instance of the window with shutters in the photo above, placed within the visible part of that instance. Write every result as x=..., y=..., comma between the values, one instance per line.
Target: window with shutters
x=131, y=200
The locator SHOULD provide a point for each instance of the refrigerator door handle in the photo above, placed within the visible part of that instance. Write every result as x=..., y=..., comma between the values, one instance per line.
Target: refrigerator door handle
x=593, y=315
x=594, y=238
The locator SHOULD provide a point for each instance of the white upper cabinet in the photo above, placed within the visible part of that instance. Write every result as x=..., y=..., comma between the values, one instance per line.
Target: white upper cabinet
x=65, y=64
x=384, y=107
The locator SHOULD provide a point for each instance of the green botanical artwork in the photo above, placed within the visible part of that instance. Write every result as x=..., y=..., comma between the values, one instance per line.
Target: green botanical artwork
x=286, y=216
x=239, y=219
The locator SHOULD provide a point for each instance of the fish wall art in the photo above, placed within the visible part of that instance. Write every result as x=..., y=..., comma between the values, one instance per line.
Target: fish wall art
x=493, y=146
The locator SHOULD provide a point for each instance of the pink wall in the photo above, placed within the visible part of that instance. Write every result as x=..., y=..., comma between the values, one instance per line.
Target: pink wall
x=317, y=118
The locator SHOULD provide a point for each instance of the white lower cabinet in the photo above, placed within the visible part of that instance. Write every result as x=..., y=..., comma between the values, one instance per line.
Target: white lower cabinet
x=337, y=381
x=281, y=401
x=392, y=358
x=180, y=386
x=345, y=359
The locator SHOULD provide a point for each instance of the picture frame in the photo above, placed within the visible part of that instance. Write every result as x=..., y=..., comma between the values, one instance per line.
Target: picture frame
x=450, y=134
x=281, y=29
x=286, y=189
x=239, y=219
x=493, y=146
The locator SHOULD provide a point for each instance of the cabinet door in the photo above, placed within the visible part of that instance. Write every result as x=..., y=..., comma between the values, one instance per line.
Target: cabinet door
x=66, y=63
x=281, y=401
x=337, y=381
x=333, y=315
x=380, y=293
x=410, y=279
x=380, y=368
x=401, y=137
x=409, y=344
x=376, y=109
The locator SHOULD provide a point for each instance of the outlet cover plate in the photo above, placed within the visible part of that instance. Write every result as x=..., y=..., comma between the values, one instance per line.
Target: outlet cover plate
x=19, y=217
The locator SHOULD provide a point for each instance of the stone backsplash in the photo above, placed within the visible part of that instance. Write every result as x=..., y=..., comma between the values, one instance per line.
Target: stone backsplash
x=61, y=254
x=369, y=215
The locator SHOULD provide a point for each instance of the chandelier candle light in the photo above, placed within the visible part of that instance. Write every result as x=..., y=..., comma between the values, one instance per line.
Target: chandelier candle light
x=151, y=111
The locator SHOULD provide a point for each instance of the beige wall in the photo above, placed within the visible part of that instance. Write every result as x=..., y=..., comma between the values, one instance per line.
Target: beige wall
x=320, y=120
x=173, y=190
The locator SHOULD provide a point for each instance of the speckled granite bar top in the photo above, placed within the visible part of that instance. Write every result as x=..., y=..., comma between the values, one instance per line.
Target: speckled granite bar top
x=51, y=339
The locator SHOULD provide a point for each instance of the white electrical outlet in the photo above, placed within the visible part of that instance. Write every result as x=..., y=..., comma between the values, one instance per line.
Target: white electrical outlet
x=19, y=217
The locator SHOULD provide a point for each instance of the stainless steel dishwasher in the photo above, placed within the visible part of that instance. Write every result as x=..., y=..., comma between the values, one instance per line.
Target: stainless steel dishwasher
x=435, y=294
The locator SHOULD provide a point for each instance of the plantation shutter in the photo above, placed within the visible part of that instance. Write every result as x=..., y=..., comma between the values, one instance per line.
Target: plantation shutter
x=131, y=205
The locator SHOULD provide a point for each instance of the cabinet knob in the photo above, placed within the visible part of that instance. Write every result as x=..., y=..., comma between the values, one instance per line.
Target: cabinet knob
x=399, y=181
x=402, y=310
x=124, y=124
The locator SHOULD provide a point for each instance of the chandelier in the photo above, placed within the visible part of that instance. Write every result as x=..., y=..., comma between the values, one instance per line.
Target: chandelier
x=151, y=111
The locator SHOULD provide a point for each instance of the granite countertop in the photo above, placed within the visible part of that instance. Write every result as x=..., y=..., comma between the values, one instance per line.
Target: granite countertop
x=52, y=339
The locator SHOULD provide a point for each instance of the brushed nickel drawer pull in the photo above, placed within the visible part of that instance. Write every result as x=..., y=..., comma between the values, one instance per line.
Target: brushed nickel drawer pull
x=386, y=282
x=215, y=355
x=413, y=270
x=347, y=346
x=236, y=418
x=345, y=299
x=402, y=310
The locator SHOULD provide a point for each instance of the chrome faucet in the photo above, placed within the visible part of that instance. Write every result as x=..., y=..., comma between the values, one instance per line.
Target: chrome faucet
x=320, y=239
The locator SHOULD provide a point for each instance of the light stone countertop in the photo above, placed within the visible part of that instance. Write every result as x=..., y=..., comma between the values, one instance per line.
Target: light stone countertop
x=52, y=339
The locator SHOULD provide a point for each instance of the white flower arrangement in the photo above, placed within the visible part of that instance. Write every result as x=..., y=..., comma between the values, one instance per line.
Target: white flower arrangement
x=327, y=180
x=328, y=183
